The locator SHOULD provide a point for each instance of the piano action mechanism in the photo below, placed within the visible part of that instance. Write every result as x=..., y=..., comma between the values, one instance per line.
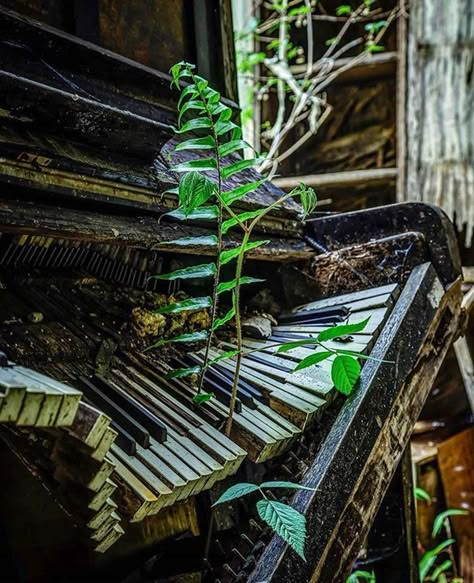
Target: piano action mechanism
x=122, y=449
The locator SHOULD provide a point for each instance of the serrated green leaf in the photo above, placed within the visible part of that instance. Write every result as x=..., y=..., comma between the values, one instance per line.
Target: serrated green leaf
x=192, y=272
x=205, y=240
x=202, y=398
x=421, y=494
x=236, y=491
x=429, y=558
x=223, y=356
x=230, y=196
x=445, y=565
x=229, y=285
x=232, y=146
x=342, y=330
x=313, y=359
x=283, y=484
x=286, y=522
x=195, y=190
x=204, y=213
x=229, y=223
x=189, y=305
x=204, y=143
x=199, y=123
x=221, y=321
x=235, y=167
x=296, y=344
x=441, y=517
x=187, y=338
x=203, y=165
x=227, y=256
x=183, y=372
x=345, y=371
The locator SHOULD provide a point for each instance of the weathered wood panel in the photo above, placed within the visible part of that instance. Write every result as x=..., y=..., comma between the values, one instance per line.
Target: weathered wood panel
x=440, y=108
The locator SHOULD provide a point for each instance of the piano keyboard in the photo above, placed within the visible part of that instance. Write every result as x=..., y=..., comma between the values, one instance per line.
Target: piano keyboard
x=141, y=442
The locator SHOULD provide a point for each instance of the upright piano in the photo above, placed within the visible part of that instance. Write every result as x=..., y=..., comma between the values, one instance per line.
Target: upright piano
x=129, y=465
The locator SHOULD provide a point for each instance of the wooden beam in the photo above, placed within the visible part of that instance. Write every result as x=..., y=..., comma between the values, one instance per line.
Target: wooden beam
x=350, y=179
x=371, y=67
x=143, y=232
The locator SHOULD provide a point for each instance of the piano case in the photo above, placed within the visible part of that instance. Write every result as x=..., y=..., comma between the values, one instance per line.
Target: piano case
x=125, y=455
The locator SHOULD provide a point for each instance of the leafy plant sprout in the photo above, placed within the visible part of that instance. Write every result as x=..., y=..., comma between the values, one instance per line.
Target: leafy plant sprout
x=202, y=195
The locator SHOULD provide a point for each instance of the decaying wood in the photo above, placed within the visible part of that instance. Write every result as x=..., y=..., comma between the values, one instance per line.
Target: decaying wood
x=349, y=179
x=378, y=263
x=440, y=116
x=456, y=464
x=349, y=485
x=143, y=232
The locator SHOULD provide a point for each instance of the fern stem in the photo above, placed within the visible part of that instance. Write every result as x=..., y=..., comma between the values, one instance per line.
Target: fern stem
x=238, y=327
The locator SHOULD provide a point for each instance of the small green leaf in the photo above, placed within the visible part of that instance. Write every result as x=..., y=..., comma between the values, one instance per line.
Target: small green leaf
x=205, y=240
x=186, y=306
x=203, y=165
x=236, y=491
x=375, y=26
x=183, y=372
x=188, y=338
x=190, y=91
x=296, y=344
x=231, y=169
x=283, y=484
x=229, y=285
x=193, y=104
x=223, y=356
x=235, y=194
x=195, y=190
x=429, y=558
x=226, y=127
x=364, y=575
x=342, y=330
x=226, y=225
x=421, y=494
x=227, y=256
x=286, y=522
x=439, y=520
x=332, y=41
x=202, y=398
x=233, y=146
x=309, y=200
x=203, y=213
x=374, y=48
x=205, y=143
x=345, y=371
x=343, y=9
x=440, y=569
x=221, y=321
x=313, y=359
x=198, y=123
x=193, y=272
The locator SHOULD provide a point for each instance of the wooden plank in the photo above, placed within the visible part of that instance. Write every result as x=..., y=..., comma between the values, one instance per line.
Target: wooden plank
x=349, y=179
x=456, y=466
x=361, y=451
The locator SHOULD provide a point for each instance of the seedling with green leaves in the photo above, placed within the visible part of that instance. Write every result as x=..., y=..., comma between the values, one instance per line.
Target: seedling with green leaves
x=210, y=132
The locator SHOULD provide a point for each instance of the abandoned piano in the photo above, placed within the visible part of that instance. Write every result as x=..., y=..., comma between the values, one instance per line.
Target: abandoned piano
x=130, y=464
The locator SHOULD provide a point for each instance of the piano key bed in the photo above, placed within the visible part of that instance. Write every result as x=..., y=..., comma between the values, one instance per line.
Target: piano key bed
x=123, y=444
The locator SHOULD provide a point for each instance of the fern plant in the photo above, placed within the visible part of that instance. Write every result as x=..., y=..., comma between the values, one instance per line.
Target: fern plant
x=207, y=125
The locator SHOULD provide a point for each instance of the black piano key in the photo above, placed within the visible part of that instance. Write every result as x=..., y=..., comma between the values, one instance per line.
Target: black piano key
x=269, y=361
x=315, y=317
x=149, y=421
x=244, y=395
x=121, y=417
x=221, y=392
x=124, y=440
x=246, y=386
x=284, y=337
